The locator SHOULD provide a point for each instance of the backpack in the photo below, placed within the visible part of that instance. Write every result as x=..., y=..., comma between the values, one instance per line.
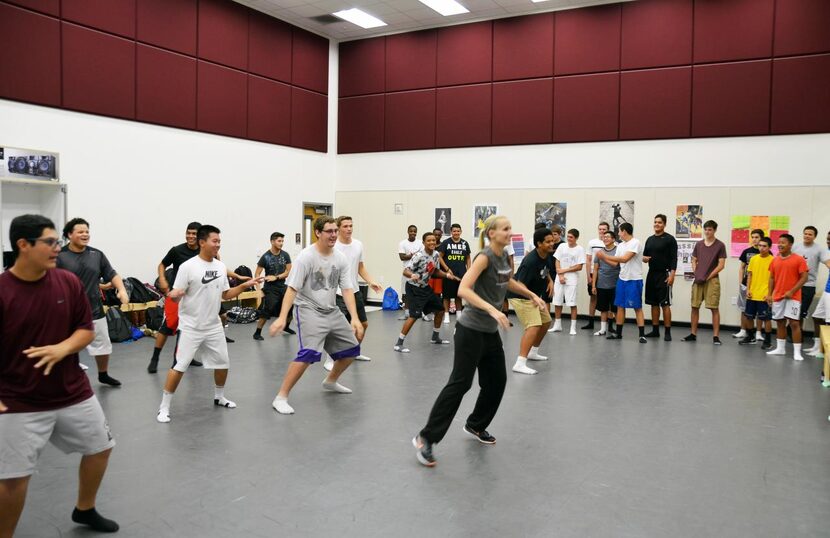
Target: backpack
x=120, y=329
x=390, y=299
x=154, y=318
x=243, y=271
x=138, y=292
x=242, y=314
x=168, y=275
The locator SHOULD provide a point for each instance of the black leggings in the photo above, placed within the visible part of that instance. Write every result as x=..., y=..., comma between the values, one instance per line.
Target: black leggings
x=474, y=350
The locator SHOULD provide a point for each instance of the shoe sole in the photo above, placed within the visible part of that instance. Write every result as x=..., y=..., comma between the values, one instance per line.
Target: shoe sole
x=421, y=459
x=479, y=439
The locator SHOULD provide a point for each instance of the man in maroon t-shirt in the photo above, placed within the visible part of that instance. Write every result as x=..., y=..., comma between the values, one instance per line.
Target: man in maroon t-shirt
x=708, y=259
x=45, y=319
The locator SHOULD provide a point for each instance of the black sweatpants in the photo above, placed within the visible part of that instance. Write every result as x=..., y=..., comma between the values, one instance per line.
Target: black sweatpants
x=474, y=350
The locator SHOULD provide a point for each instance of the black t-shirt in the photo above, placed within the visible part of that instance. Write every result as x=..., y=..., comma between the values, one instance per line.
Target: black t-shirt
x=747, y=255
x=274, y=264
x=177, y=256
x=90, y=266
x=533, y=272
x=663, y=251
x=455, y=255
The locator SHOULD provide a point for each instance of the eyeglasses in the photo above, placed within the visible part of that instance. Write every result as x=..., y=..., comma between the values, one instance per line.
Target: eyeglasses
x=51, y=242
x=329, y=231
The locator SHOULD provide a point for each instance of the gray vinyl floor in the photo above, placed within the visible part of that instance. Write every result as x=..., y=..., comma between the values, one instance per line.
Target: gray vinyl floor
x=610, y=439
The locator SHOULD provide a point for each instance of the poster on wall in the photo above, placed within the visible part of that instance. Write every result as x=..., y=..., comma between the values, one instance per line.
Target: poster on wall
x=684, y=258
x=617, y=212
x=773, y=226
x=480, y=214
x=551, y=214
x=517, y=242
x=18, y=163
x=443, y=219
x=689, y=222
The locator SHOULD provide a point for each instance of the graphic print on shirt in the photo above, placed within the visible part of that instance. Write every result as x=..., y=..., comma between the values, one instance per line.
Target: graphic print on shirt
x=320, y=282
x=210, y=276
x=423, y=265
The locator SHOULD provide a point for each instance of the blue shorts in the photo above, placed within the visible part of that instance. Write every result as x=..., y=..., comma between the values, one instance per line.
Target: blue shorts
x=629, y=294
x=757, y=310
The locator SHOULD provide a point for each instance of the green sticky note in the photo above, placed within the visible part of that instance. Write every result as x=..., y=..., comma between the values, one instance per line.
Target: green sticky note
x=740, y=221
x=779, y=222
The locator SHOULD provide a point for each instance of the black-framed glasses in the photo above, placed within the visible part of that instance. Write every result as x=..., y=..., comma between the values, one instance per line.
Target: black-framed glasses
x=329, y=231
x=50, y=242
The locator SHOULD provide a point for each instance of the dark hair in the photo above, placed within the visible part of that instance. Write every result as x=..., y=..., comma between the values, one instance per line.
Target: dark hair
x=627, y=227
x=205, y=230
x=539, y=236
x=757, y=231
x=193, y=226
x=341, y=218
x=28, y=227
x=607, y=226
x=574, y=232
x=455, y=225
x=438, y=230
x=425, y=235
x=766, y=240
x=412, y=226
x=661, y=217
x=321, y=221
x=70, y=226
x=556, y=229
x=612, y=234
x=277, y=235
x=815, y=230
x=540, y=225
x=790, y=239
x=710, y=224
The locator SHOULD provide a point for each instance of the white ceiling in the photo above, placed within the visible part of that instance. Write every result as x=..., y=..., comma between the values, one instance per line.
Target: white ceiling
x=400, y=15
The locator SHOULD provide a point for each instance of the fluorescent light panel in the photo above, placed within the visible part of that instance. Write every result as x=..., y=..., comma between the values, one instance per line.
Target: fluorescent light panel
x=446, y=7
x=537, y=1
x=360, y=18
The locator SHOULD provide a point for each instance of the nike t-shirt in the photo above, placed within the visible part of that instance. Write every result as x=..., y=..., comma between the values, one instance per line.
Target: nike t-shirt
x=203, y=283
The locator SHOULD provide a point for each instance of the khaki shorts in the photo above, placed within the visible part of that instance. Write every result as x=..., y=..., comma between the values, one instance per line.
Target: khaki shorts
x=528, y=313
x=708, y=291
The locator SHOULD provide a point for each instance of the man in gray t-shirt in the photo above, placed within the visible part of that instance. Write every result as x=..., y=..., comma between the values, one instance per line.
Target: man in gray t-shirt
x=604, y=276
x=812, y=253
x=312, y=288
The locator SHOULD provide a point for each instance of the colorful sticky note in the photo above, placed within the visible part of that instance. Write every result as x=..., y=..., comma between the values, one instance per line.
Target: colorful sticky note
x=775, y=235
x=736, y=249
x=740, y=221
x=759, y=221
x=740, y=236
x=779, y=222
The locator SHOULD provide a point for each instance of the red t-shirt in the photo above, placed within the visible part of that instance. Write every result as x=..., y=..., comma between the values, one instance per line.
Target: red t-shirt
x=785, y=273
x=36, y=314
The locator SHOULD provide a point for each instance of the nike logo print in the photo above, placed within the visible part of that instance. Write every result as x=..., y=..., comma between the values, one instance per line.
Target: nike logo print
x=206, y=280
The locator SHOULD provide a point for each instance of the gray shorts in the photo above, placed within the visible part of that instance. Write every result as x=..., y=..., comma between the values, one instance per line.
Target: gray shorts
x=742, y=297
x=79, y=428
x=329, y=332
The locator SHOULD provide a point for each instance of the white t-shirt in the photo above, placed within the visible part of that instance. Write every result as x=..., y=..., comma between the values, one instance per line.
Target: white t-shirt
x=317, y=277
x=409, y=247
x=203, y=283
x=568, y=257
x=633, y=268
x=594, y=246
x=354, y=253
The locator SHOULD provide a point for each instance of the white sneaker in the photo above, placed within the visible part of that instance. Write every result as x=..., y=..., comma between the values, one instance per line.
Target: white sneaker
x=224, y=402
x=401, y=349
x=83, y=366
x=573, y=332
x=813, y=350
x=328, y=364
x=739, y=334
x=600, y=333
x=777, y=351
x=522, y=369
x=281, y=406
x=362, y=358
x=163, y=416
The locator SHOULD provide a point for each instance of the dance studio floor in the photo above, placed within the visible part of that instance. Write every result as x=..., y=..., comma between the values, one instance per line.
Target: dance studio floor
x=609, y=439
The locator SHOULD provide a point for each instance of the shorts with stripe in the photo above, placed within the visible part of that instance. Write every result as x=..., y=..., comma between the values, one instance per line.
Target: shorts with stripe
x=658, y=292
x=324, y=331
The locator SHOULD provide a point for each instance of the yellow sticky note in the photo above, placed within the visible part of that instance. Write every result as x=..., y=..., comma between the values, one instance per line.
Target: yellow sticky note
x=740, y=221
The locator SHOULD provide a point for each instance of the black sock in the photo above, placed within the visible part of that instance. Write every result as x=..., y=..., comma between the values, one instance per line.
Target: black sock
x=156, y=352
x=435, y=336
x=258, y=332
x=668, y=330
x=399, y=342
x=619, y=329
x=95, y=520
x=642, y=330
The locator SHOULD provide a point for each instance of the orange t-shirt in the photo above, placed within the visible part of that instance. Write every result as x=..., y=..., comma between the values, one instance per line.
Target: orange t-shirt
x=785, y=273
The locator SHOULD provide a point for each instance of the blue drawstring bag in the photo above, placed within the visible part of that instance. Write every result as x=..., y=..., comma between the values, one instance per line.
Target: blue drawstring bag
x=390, y=299
x=135, y=334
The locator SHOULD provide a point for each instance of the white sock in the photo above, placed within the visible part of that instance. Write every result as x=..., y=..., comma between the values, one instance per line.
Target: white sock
x=603, y=326
x=281, y=406
x=534, y=354
x=328, y=364
x=521, y=360
x=797, y=352
x=521, y=366
x=334, y=386
x=166, y=398
x=780, y=347
x=218, y=393
x=573, y=326
x=759, y=335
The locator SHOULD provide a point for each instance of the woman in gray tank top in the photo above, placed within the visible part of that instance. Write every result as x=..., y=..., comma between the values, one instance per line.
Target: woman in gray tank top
x=478, y=345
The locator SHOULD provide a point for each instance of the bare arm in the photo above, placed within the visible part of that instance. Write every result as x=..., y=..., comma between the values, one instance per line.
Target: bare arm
x=594, y=276
x=165, y=286
x=748, y=285
x=49, y=356
x=287, y=302
x=234, y=292
x=364, y=274
x=348, y=298
x=742, y=272
x=123, y=296
x=718, y=269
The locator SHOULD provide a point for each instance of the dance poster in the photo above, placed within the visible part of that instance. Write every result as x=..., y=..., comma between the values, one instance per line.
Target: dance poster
x=684, y=258
x=480, y=214
x=443, y=219
x=617, y=212
x=551, y=214
x=689, y=222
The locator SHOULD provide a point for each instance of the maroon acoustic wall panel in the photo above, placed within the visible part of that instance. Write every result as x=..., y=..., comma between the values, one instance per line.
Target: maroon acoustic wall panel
x=586, y=107
x=361, y=124
x=410, y=120
x=802, y=26
x=656, y=33
x=269, y=111
x=222, y=100
x=523, y=47
x=50, y=7
x=655, y=103
x=463, y=116
x=587, y=40
x=115, y=16
x=410, y=61
x=310, y=66
x=801, y=95
x=30, y=53
x=165, y=87
x=465, y=54
x=362, y=67
x=170, y=24
x=522, y=112
x=731, y=99
x=223, y=33
x=308, y=120
x=269, y=47
x=732, y=30
x=98, y=72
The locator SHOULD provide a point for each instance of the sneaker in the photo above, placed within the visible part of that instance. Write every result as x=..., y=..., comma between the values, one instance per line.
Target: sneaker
x=258, y=336
x=224, y=402
x=655, y=333
x=667, y=337
x=613, y=336
x=690, y=338
x=439, y=341
x=153, y=367
x=716, y=340
x=163, y=416
x=747, y=341
x=423, y=451
x=739, y=334
x=766, y=345
x=401, y=349
x=482, y=436
x=600, y=333
x=588, y=326
x=643, y=340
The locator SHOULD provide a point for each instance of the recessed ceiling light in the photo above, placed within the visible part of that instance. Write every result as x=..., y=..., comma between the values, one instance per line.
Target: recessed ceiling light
x=446, y=7
x=359, y=17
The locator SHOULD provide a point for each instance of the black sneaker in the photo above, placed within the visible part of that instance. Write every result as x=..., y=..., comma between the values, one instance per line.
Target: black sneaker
x=482, y=436
x=655, y=333
x=667, y=337
x=153, y=367
x=766, y=345
x=423, y=451
x=747, y=341
x=643, y=340
x=258, y=336
x=690, y=338
x=588, y=326
x=716, y=340
x=613, y=336
x=289, y=330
